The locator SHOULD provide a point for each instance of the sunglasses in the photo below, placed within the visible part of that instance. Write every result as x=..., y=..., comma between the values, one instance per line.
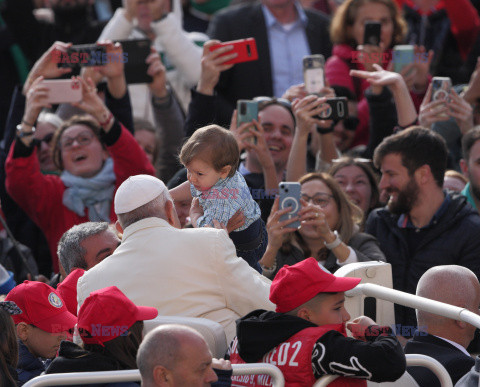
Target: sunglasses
x=356, y=160
x=47, y=140
x=264, y=102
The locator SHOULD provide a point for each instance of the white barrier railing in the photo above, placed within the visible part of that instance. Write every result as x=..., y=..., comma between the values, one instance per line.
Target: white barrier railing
x=76, y=378
x=412, y=361
x=416, y=302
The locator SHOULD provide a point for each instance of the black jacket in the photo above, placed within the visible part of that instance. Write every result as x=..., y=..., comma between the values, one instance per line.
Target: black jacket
x=452, y=240
x=252, y=79
x=455, y=361
x=260, y=331
x=72, y=358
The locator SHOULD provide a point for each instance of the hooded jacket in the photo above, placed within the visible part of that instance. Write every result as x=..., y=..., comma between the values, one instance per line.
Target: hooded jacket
x=452, y=239
x=379, y=359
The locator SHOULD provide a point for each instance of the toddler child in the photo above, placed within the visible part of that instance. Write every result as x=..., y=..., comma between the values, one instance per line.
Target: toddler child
x=211, y=156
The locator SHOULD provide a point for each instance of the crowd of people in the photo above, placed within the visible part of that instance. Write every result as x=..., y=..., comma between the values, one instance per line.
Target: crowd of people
x=139, y=189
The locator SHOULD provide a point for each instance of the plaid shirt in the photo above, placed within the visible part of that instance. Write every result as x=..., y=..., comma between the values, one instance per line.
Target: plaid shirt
x=225, y=198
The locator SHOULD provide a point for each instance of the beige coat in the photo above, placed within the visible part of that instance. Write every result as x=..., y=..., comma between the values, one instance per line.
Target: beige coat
x=190, y=272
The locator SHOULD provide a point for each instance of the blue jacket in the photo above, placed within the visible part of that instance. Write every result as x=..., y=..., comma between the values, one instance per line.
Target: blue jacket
x=28, y=366
x=452, y=240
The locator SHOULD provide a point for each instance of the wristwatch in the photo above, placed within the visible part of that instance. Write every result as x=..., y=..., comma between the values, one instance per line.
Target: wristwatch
x=22, y=134
x=335, y=243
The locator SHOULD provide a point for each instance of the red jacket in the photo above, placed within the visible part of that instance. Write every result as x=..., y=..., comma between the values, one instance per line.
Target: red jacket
x=40, y=196
x=294, y=358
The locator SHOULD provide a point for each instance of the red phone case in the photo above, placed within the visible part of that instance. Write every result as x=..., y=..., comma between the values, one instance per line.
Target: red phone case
x=246, y=49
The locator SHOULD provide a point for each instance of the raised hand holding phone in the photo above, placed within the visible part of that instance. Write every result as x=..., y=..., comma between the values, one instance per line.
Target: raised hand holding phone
x=246, y=50
x=213, y=63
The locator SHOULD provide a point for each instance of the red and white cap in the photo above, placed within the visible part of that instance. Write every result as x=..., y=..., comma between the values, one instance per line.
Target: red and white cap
x=41, y=306
x=295, y=285
x=108, y=313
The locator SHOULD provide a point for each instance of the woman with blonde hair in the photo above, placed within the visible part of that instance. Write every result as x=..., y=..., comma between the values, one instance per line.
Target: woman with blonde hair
x=329, y=230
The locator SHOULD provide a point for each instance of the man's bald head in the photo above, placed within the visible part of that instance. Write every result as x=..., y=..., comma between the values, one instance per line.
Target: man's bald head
x=451, y=284
x=175, y=355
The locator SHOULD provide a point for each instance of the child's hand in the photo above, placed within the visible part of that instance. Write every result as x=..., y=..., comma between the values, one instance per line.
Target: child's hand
x=359, y=325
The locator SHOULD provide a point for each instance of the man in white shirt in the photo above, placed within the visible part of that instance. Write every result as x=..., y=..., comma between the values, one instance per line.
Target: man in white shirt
x=190, y=272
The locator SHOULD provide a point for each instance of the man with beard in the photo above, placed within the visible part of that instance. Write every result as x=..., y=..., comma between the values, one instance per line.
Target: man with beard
x=422, y=226
x=470, y=165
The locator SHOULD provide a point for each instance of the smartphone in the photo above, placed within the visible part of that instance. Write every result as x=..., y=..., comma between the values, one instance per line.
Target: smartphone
x=371, y=34
x=441, y=87
x=247, y=111
x=338, y=109
x=136, y=52
x=402, y=56
x=313, y=73
x=289, y=196
x=63, y=90
x=83, y=55
x=245, y=48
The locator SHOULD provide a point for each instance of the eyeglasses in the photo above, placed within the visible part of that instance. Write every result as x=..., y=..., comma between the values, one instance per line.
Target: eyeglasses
x=320, y=199
x=47, y=140
x=82, y=139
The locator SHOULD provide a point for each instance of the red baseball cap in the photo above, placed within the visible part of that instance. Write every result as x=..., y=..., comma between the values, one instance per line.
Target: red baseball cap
x=41, y=306
x=295, y=285
x=108, y=313
x=68, y=290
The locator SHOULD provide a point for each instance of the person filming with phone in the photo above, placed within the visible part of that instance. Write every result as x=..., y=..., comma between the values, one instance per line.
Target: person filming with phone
x=364, y=34
x=329, y=229
x=95, y=153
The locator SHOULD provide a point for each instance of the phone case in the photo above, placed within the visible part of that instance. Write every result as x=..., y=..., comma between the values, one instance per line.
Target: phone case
x=371, y=33
x=247, y=111
x=441, y=88
x=135, y=68
x=83, y=55
x=245, y=48
x=338, y=109
x=63, y=90
x=403, y=55
x=289, y=196
x=313, y=73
